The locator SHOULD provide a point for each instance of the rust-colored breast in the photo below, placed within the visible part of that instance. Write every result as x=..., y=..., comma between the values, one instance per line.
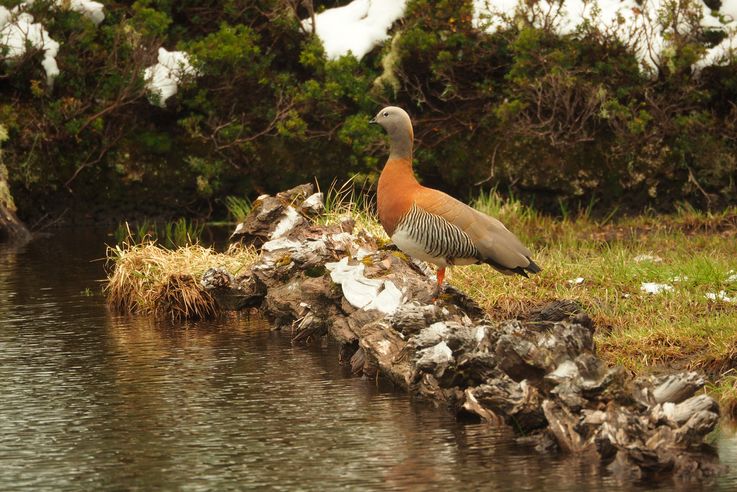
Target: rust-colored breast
x=395, y=194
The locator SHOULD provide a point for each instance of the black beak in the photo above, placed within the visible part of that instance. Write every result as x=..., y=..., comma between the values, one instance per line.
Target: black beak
x=372, y=120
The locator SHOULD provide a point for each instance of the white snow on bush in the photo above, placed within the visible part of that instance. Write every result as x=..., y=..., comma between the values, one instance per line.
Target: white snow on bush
x=357, y=27
x=655, y=288
x=163, y=78
x=92, y=10
x=5, y=16
x=635, y=24
x=18, y=30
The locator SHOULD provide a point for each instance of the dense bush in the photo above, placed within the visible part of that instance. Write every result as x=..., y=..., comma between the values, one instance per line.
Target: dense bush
x=567, y=116
x=546, y=115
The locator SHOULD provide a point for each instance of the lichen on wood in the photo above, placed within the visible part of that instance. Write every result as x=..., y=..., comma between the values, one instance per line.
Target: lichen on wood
x=11, y=228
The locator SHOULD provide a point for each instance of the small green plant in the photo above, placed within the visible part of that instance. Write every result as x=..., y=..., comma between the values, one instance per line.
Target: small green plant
x=349, y=201
x=238, y=208
x=180, y=233
x=172, y=235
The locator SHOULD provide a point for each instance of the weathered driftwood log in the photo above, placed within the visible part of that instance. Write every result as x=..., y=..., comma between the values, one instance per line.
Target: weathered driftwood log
x=540, y=375
x=11, y=229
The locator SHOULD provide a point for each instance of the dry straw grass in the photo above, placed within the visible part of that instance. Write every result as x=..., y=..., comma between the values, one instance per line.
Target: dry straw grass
x=149, y=279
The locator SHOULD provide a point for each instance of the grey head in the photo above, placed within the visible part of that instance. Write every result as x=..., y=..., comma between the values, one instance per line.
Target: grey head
x=398, y=126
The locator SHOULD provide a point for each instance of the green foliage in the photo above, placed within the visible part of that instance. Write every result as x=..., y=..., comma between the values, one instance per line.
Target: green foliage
x=208, y=174
x=553, y=118
x=573, y=115
x=148, y=21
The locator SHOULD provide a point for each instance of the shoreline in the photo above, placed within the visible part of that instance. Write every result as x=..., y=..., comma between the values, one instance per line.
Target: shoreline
x=540, y=375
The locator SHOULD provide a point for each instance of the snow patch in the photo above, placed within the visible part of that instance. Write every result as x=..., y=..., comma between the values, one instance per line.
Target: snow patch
x=636, y=23
x=163, y=79
x=92, y=10
x=362, y=292
x=355, y=28
x=720, y=296
x=388, y=300
x=655, y=288
x=363, y=253
x=18, y=30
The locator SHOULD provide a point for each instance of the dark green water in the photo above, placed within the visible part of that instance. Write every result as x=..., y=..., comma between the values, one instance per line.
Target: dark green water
x=90, y=400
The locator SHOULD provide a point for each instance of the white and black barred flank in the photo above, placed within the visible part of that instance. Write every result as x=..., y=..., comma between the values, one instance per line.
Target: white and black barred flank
x=438, y=237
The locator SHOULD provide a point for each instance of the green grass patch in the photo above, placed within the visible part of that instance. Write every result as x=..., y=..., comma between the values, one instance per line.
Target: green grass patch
x=690, y=324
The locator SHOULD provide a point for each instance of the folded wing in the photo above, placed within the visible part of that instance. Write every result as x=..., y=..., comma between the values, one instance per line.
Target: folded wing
x=495, y=244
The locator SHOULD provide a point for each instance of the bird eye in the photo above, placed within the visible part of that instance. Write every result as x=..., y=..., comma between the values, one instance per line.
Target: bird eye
x=386, y=113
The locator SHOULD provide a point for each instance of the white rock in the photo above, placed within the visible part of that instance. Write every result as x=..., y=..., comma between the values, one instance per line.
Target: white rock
x=287, y=223
x=655, y=288
x=342, y=240
x=565, y=370
x=313, y=204
x=575, y=281
x=437, y=354
x=281, y=243
x=432, y=335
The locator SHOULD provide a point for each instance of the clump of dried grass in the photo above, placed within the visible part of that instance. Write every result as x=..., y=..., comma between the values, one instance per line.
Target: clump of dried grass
x=146, y=278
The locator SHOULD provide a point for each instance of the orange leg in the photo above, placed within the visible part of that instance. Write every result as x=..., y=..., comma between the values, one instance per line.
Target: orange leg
x=439, y=288
x=441, y=276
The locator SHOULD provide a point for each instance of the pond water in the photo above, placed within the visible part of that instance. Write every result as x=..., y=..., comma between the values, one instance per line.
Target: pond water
x=92, y=400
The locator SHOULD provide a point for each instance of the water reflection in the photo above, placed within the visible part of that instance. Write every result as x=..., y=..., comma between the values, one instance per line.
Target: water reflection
x=92, y=400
